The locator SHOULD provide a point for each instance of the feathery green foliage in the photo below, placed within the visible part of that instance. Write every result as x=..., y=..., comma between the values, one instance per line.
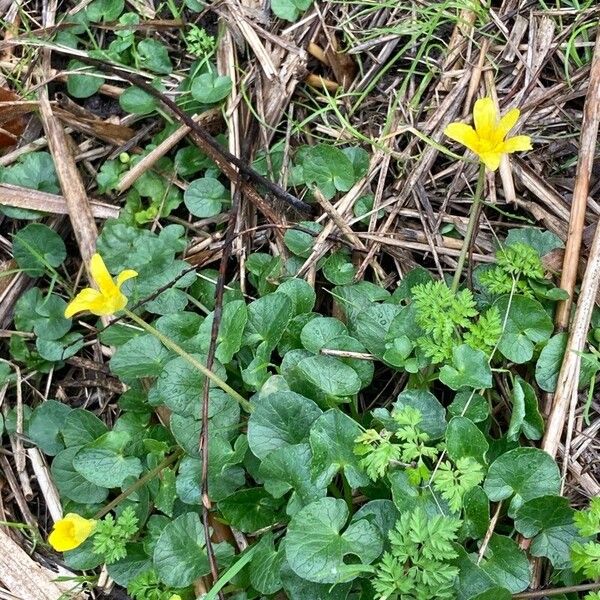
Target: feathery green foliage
x=379, y=452
x=111, y=536
x=147, y=586
x=417, y=565
x=520, y=260
x=453, y=482
x=517, y=264
x=586, y=555
x=588, y=521
x=199, y=42
x=450, y=319
x=586, y=558
x=486, y=331
x=440, y=313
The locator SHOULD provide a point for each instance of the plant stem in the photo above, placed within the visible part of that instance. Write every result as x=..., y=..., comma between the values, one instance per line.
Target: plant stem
x=171, y=345
x=348, y=494
x=136, y=485
x=585, y=587
x=354, y=408
x=473, y=216
x=233, y=570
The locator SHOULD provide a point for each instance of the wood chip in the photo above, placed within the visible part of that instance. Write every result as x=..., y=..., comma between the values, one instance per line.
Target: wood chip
x=24, y=577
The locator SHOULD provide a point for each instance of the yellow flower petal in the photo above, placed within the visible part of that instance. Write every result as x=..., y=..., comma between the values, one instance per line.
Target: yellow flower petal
x=491, y=159
x=101, y=275
x=519, y=143
x=123, y=276
x=86, y=298
x=61, y=540
x=82, y=527
x=485, y=117
x=464, y=134
x=507, y=122
x=487, y=138
x=108, y=299
x=108, y=305
x=70, y=532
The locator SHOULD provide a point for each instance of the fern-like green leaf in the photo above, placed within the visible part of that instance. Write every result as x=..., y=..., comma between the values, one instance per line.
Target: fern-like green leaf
x=438, y=350
x=520, y=260
x=586, y=559
x=462, y=308
x=111, y=536
x=516, y=265
x=391, y=580
x=417, y=566
x=454, y=482
x=486, y=331
x=377, y=451
x=147, y=586
x=407, y=415
x=588, y=521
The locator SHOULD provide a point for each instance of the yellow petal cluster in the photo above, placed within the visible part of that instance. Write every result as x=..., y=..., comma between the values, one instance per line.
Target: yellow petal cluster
x=488, y=138
x=107, y=299
x=70, y=532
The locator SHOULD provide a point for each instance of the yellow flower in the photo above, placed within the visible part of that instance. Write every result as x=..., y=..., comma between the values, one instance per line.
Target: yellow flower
x=487, y=138
x=108, y=298
x=70, y=532
x=175, y=597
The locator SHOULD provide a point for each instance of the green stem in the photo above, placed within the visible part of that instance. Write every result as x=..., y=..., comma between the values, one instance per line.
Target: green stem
x=348, y=494
x=473, y=214
x=354, y=408
x=171, y=345
x=141, y=482
x=237, y=566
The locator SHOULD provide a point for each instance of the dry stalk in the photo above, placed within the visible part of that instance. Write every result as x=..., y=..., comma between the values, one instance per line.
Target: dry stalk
x=565, y=398
x=18, y=197
x=47, y=487
x=587, y=147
